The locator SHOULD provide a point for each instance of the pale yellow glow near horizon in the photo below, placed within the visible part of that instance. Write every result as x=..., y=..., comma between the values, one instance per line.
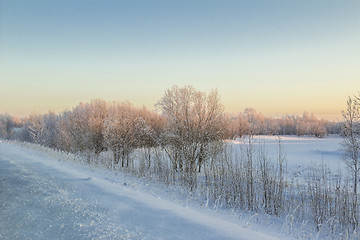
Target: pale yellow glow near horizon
x=324, y=105
x=283, y=57
x=277, y=86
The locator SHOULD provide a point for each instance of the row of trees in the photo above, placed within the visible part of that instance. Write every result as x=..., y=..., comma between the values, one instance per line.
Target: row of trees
x=182, y=144
x=84, y=126
x=251, y=122
x=94, y=127
x=190, y=125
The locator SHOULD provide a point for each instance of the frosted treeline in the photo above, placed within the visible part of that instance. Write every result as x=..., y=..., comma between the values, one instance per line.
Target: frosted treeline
x=251, y=122
x=182, y=143
x=248, y=122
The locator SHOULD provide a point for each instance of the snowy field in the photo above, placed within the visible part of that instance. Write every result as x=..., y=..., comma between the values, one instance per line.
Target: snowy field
x=301, y=153
x=46, y=195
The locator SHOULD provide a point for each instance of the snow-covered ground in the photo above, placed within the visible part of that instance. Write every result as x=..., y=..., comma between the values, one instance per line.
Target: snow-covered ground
x=44, y=195
x=301, y=153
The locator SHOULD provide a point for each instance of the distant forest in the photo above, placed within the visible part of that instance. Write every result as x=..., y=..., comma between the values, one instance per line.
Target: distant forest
x=89, y=119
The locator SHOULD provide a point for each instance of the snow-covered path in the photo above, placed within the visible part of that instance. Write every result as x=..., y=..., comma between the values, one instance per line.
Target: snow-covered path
x=42, y=198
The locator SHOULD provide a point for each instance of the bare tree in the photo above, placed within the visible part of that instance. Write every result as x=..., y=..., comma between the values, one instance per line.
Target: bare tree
x=49, y=136
x=7, y=123
x=36, y=128
x=351, y=147
x=194, y=121
x=96, y=119
x=77, y=127
x=119, y=132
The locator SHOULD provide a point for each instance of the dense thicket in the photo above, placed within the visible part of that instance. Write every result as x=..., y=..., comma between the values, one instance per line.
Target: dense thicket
x=182, y=143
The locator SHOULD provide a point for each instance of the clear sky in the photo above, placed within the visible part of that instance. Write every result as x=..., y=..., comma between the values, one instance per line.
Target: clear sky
x=275, y=56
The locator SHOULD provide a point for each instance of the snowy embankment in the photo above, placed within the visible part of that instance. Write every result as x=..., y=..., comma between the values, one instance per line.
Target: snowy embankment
x=45, y=195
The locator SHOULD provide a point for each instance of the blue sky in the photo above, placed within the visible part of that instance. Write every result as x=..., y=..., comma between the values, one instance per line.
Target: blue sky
x=275, y=56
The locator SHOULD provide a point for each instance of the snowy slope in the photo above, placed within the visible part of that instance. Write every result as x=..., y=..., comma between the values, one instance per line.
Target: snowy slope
x=44, y=198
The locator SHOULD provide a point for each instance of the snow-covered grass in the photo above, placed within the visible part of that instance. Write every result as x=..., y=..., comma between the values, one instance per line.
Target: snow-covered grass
x=302, y=154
